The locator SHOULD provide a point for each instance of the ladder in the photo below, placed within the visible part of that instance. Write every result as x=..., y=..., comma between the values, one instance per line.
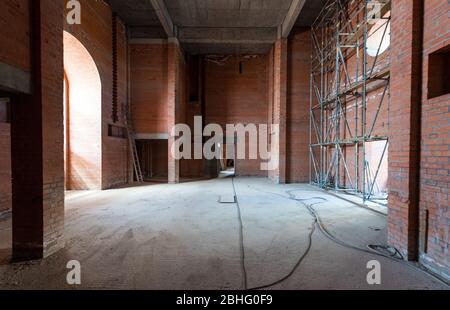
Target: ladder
x=134, y=153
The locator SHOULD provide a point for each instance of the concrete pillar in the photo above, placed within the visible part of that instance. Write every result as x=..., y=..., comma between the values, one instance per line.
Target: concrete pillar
x=37, y=141
x=404, y=135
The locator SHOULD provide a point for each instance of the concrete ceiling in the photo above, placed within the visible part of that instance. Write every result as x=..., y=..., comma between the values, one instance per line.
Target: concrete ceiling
x=228, y=13
x=140, y=16
x=136, y=12
x=217, y=26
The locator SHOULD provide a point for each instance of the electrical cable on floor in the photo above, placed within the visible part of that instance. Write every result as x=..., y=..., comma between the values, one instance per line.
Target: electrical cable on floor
x=241, y=238
x=297, y=265
x=322, y=227
x=371, y=249
x=396, y=256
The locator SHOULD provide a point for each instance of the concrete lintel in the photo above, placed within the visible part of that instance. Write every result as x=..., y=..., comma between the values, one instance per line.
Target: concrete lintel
x=145, y=32
x=14, y=79
x=291, y=17
x=147, y=41
x=164, y=17
x=228, y=35
x=152, y=136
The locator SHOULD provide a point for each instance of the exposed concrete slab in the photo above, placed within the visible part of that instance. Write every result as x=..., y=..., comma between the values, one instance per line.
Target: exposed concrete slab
x=140, y=17
x=136, y=12
x=228, y=27
x=216, y=26
x=226, y=49
x=230, y=13
x=164, y=18
x=181, y=237
x=227, y=35
x=291, y=17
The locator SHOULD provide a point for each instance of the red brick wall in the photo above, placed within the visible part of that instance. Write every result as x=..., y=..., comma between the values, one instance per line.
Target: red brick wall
x=149, y=98
x=15, y=47
x=115, y=155
x=52, y=116
x=37, y=142
x=298, y=103
x=14, y=51
x=404, y=123
x=435, y=148
x=270, y=100
x=176, y=101
x=149, y=87
x=234, y=98
x=373, y=150
x=95, y=33
x=159, y=94
x=277, y=89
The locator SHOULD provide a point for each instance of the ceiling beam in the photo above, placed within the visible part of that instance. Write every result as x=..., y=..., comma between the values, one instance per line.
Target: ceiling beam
x=164, y=17
x=291, y=17
x=227, y=35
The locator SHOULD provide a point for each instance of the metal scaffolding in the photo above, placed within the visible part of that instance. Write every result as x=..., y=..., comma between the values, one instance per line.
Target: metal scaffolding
x=349, y=92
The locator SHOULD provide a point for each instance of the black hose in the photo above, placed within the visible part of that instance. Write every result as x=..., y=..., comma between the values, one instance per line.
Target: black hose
x=242, y=247
x=241, y=238
x=297, y=265
x=370, y=250
x=317, y=221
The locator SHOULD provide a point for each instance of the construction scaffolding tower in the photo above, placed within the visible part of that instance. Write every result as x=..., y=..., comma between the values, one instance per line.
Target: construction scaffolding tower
x=350, y=95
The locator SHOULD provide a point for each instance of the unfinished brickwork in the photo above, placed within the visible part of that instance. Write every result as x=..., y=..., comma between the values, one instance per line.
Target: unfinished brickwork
x=279, y=110
x=149, y=87
x=404, y=117
x=298, y=100
x=405, y=103
x=37, y=141
x=236, y=94
x=96, y=34
x=15, y=12
x=435, y=145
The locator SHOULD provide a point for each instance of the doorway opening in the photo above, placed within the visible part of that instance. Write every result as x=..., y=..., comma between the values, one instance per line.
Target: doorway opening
x=228, y=160
x=82, y=117
x=153, y=158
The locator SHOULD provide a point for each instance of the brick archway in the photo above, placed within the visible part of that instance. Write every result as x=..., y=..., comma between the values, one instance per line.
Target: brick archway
x=83, y=117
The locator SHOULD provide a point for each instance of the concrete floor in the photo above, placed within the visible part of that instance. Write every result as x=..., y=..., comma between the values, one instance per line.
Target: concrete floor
x=181, y=237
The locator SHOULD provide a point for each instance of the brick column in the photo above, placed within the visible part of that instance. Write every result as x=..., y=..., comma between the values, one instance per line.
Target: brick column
x=280, y=106
x=172, y=95
x=37, y=141
x=404, y=135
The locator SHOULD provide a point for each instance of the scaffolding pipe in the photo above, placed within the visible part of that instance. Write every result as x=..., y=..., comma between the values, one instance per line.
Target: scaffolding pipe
x=339, y=91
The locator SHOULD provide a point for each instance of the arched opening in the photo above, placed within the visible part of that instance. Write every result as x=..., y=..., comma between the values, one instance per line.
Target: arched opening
x=379, y=37
x=82, y=117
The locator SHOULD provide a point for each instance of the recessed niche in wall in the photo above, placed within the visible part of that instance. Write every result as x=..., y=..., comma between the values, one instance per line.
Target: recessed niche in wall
x=439, y=73
x=117, y=132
